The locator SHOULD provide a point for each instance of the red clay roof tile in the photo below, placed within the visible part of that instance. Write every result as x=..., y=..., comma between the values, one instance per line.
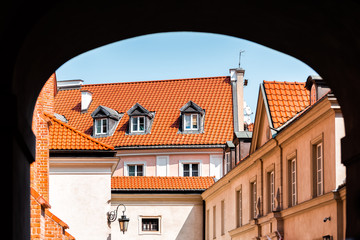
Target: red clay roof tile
x=164, y=97
x=161, y=183
x=65, y=137
x=285, y=100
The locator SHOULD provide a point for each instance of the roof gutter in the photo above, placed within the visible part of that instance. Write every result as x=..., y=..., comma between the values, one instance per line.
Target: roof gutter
x=82, y=153
x=170, y=147
x=155, y=191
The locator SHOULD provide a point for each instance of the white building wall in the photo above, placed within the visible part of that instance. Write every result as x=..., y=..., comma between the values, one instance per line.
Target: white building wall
x=181, y=216
x=80, y=195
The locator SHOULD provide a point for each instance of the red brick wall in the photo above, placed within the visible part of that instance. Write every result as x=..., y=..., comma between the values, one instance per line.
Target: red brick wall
x=40, y=168
x=44, y=225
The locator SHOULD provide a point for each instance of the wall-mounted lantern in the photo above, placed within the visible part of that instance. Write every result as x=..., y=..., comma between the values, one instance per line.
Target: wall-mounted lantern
x=123, y=221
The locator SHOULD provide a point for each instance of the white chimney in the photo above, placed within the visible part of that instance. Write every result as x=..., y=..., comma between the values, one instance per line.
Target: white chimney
x=237, y=84
x=86, y=98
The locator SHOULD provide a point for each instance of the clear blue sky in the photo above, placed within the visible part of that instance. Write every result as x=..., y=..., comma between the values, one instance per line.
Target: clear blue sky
x=184, y=55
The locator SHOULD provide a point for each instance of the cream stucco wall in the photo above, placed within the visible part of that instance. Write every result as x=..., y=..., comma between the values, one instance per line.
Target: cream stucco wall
x=323, y=123
x=181, y=216
x=80, y=194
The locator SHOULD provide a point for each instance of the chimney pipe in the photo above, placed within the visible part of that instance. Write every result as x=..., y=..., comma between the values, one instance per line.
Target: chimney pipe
x=237, y=84
x=86, y=98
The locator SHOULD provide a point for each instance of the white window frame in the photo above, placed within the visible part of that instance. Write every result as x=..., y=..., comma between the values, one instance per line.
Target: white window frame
x=239, y=209
x=140, y=229
x=319, y=169
x=191, y=121
x=138, y=124
x=126, y=166
x=181, y=166
x=102, y=122
x=272, y=190
x=227, y=162
x=293, y=184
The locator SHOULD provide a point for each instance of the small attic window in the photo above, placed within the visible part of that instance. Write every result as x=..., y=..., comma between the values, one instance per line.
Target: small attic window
x=138, y=124
x=101, y=126
x=140, y=120
x=105, y=121
x=191, y=121
x=192, y=118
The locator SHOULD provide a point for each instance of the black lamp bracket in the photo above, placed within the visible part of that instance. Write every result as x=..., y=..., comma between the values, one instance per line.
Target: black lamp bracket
x=112, y=215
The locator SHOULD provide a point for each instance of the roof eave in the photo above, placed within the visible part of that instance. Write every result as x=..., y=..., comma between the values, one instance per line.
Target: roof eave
x=160, y=191
x=170, y=146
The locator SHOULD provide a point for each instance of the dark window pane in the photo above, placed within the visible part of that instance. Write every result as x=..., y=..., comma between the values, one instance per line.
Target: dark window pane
x=132, y=170
x=150, y=224
x=195, y=170
x=141, y=123
x=140, y=170
x=134, y=124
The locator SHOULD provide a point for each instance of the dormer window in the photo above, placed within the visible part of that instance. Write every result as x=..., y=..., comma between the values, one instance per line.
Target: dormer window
x=105, y=121
x=140, y=120
x=192, y=118
x=138, y=124
x=191, y=121
x=101, y=126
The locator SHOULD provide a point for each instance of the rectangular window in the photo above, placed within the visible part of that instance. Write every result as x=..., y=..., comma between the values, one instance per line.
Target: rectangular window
x=253, y=200
x=271, y=191
x=191, y=121
x=138, y=124
x=136, y=170
x=239, y=208
x=214, y=222
x=222, y=217
x=292, y=184
x=191, y=170
x=227, y=163
x=100, y=126
x=150, y=224
x=319, y=169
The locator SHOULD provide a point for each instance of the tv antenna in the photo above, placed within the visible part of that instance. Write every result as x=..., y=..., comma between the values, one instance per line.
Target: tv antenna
x=241, y=51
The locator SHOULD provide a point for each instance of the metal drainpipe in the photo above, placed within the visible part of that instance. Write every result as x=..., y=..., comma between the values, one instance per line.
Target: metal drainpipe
x=281, y=173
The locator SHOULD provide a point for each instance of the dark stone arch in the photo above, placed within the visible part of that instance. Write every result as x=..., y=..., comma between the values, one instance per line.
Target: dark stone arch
x=37, y=37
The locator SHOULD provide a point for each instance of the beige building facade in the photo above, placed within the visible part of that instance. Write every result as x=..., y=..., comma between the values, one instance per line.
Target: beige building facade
x=292, y=184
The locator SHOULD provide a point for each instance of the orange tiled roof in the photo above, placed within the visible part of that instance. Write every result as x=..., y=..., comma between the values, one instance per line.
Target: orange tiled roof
x=285, y=100
x=164, y=97
x=65, y=137
x=161, y=183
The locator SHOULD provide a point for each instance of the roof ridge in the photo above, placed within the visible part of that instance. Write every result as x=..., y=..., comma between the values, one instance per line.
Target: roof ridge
x=152, y=81
x=284, y=82
x=78, y=132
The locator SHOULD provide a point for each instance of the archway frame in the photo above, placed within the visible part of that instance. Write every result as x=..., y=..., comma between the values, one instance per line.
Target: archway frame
x=38, y=37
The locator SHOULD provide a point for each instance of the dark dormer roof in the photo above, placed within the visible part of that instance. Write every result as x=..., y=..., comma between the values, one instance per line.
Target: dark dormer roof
x=138, y=110
x=191, y=107
x=313, y=79
x=103, y=111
